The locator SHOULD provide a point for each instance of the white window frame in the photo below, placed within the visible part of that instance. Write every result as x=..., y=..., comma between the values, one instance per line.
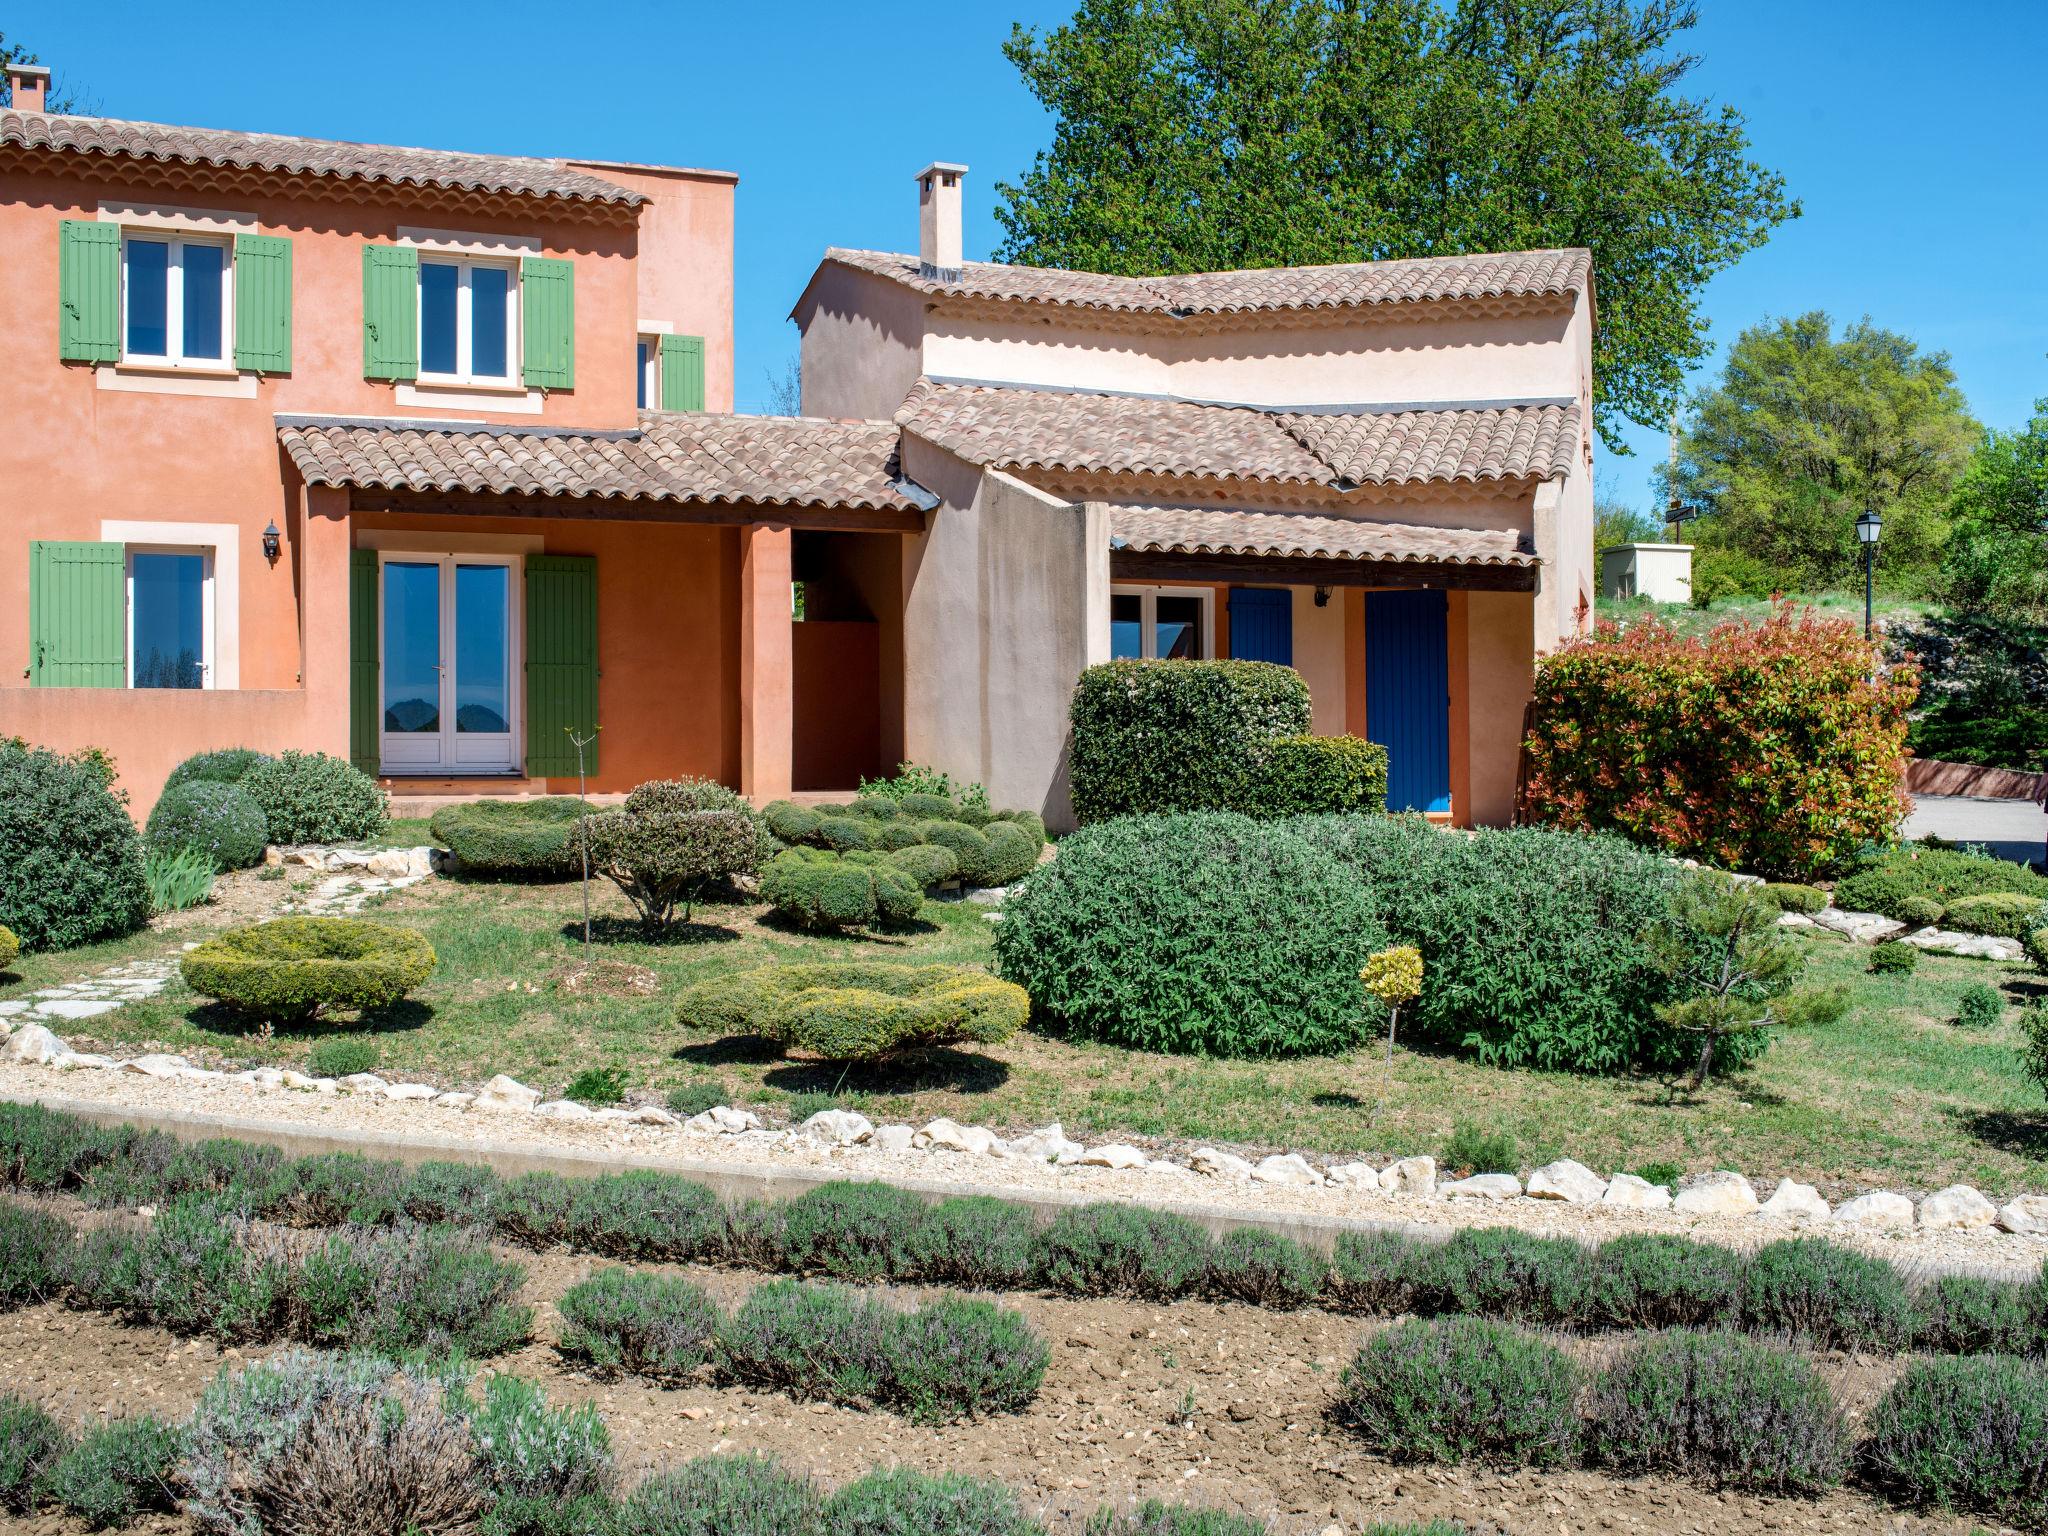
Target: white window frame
x=174, y=302
x=447, y=761
x=1148, y=615
x=464, y=373
x=208, y=606
x=649, y=370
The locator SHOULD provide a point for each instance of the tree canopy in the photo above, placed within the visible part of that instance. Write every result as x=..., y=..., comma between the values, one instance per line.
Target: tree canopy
x=1997, y=560
x=1806, y=431
x=1197, y=135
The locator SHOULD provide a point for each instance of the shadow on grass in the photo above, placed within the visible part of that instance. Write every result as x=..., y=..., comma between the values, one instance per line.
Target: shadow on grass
x=729, y=1050
x=894, y=935
x=939, y=1069
x=621, y=930
x=401, y=1017
x=2025, y=1135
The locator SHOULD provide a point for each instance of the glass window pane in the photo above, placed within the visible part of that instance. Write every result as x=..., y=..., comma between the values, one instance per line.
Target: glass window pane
x=1178, y=624
x=438, y=285
x=412, y=647
x=482, y=700
x=202, y=265
x=640, y=367
x=490, y=355
x=1126, y=625
x=148, y=264
x=169, y=620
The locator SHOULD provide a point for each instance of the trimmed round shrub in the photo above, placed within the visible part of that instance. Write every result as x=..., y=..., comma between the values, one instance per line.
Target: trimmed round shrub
x=1972, y=1315
x=220, y=821
x=1893, y=957
x=1032, y=823
x=1499, y=1272
x=1463, y=1389
x=1792, y=897
x=1719, y=1408
x=227, y=765
x=903, y=1502
x=118, y=1471
x=972, y=1240
x=30, y=1445
x=1264, y=1269
x=70, y=859
x=668, y=841
x=903, y=832
x=970, y=849
x=33, y=1247
x=1011, y=853
x=1921, y=910
x=1979, y=1006
x=2004, y=913
x=843, y=834
x=926, y=864
x=925, y=806
x=643, y=1323
x=810, y=1341
x=1656, y=1280
x=856, y=1010
x=960, y=1357
x=852, y=1231
x=1965, y=1433
x=737, y=1495
x=309, y=797
x=1318, y=776
x=819, y=890
x=1943, y=876
x=1123, y=1250
x=1205, y=933
x=515, y=839
x=791, y=822
x=1825, y=1295
x=296, y=967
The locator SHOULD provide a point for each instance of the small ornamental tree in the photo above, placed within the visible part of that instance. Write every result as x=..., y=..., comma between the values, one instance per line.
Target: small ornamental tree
x=1737, y=973
x=669, y=840
x=1767, y=747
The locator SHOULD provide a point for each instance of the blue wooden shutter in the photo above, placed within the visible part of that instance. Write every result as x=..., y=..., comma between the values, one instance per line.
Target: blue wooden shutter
x=1408, y=696
x=561, y=662
x=365, y=747
x=1262, y=624
x=391, y=316
x=547, y=296
x=263, y=303
x=88, y=291
x=682, y=373
x=77, y=614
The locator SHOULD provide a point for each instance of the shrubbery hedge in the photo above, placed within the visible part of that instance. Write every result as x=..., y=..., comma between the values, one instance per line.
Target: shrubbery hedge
x=225, y=765
x=856, y=1010
x=1762, y=747
x=515, y=839
x=1966, y=1433
x=10, y=948
x=1318, y=775
x=908, y=831
x=1917, y=884
x=70, y=859
x=1205, y=933
x=293, y=968
x=218, y=820
x=309, y=797
x=820, y=890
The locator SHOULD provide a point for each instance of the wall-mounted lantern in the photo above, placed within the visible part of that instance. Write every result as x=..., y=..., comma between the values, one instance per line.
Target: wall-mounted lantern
x=270, y=542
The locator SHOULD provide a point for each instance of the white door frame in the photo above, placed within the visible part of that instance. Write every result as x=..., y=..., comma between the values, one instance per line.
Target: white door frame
x=454, y=753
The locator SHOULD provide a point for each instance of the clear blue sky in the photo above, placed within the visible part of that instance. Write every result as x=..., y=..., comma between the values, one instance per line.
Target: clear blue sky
x=1911, y=133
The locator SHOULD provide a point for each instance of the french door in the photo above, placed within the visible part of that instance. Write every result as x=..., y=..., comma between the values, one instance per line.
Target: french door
x=447, y=659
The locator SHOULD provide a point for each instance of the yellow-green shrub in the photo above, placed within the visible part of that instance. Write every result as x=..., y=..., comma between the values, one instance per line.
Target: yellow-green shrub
x=296, y=967
x=857, y=1011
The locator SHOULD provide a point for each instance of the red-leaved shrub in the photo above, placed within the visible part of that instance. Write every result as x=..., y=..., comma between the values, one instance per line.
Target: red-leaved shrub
x=1763, y=747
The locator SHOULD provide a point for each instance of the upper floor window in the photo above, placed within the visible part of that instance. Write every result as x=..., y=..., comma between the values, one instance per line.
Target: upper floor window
x=647, y=363
x=177, y=296
x=469, y=321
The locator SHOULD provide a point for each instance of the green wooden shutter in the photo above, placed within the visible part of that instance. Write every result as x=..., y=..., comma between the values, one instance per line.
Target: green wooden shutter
x=682, y=373
x=77, y=614
x=364, y=749
x=263, y=303
x=561, y=662
x=89, y=291
x=547, y=292
x=391, y=318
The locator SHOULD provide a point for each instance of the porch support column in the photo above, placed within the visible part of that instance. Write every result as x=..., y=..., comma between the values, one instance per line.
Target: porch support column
x=324, y=619
x=766, y=662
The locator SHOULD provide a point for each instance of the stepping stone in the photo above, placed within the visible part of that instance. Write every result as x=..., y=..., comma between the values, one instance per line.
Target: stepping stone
x=75, y=1008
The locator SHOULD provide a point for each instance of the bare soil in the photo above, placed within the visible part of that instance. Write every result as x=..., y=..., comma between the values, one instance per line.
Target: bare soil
x=1193, y=1402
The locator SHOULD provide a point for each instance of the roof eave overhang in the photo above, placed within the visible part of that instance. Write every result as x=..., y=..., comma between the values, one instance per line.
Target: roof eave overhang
x=1321, y=570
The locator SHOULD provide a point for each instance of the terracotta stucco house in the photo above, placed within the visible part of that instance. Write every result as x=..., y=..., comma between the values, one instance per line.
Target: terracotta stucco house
x=427, y=459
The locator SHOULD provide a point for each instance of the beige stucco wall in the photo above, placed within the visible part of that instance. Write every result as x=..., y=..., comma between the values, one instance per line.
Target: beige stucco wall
x=1319, y=656
x=862, y=344
x=1005, y=601
x=1500, y=639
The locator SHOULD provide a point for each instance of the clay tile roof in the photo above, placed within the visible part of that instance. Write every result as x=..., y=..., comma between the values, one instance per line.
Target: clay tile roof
x=765, y=460
x=1059, y=430
x=508, y=175
x=1208, y=530
x=1514, y=274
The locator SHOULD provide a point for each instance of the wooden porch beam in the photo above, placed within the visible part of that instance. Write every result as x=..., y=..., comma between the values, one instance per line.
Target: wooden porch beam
x=1137, y=565
x=635, y=510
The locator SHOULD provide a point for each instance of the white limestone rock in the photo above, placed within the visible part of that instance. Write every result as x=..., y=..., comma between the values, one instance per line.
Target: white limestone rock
x=78, y=1061
x=391, y=863
x=563, y=1109
x=1796, y=920
x=1413, y=1176
x=262, y=1077
x=1482, y=1186
x=836, y=1128
x=1863, y=927
x=454, y=1100
x=503, y=1092
x=1719, y=1193
x=297, y=1081
x=1115, y=1155
x=1792, y=1201
x=1353, y=1175
x=1957, y=1208
x=405, y=1091
x=1971, y=946
x=1572, y=1182
x=362, y=1082
x=1289, y=1168
x=1048, y=1144
x=944, y=1135
x=158, y=1066
x=35, y=1044
x=652, y=1114
x=892, y=1138
x=723, y=1120
x=1629, y=1192
x=2026, y=1214
x=1881, y=1211
x=1219, y=1165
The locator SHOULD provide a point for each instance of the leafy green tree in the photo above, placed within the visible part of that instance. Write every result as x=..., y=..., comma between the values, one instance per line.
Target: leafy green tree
x=1196, y=135
x=1805, y=432
x=1740, y=974
x=1616, y=522
x=1997, y=556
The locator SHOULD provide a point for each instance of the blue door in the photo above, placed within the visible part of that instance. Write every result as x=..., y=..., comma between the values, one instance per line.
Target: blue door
x=1262, y=624
x=1408, y=696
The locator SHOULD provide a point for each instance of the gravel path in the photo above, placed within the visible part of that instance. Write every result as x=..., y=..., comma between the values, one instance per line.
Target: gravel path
x=423, y=1129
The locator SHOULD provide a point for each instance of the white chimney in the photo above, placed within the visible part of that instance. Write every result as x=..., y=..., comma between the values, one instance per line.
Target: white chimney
x=938, y=219
x=29, y=85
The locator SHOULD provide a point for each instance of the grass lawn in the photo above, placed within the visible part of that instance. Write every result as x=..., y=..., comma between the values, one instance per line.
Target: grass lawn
x=1892, y=1094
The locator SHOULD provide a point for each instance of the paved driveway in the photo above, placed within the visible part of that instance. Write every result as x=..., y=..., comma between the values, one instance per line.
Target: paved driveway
x=2010, y=829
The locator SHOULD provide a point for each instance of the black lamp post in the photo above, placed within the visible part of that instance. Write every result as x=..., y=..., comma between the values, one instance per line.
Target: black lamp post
x=1868, y=526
